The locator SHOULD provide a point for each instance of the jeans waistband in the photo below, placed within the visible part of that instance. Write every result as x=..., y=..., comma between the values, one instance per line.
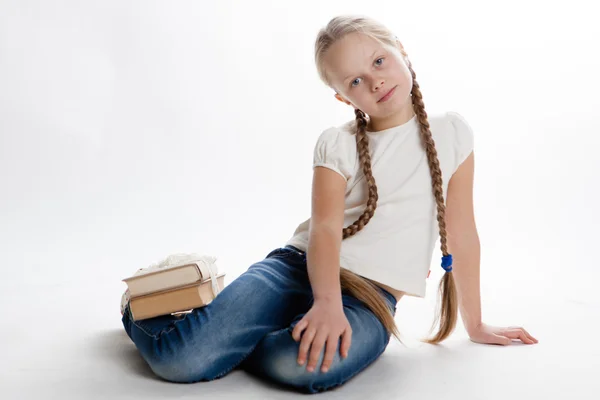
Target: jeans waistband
x=390, y=296
x=289, y=246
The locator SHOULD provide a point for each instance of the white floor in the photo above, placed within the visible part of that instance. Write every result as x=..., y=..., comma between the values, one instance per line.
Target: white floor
x=65, y=341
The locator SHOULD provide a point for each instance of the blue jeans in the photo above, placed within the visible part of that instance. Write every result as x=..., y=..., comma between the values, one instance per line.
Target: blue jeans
x=249, y=325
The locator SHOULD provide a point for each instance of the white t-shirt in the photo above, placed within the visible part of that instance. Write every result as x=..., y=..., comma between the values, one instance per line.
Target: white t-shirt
x=396, y=246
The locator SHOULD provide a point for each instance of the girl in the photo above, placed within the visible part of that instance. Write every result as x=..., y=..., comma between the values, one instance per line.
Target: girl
x=317, y=311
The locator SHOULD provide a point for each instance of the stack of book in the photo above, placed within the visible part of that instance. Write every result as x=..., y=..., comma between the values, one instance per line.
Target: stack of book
x=176, y=285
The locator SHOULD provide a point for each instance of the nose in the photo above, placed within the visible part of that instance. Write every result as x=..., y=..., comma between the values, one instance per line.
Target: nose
x=378, y=84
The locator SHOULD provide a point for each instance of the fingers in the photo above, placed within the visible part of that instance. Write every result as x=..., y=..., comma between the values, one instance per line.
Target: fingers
x=520, y=334
x=346, y=342
x=315, y=351
x=307, y=339
x=502, y=340
x=531, y=338
x=300, y=326
x=332, y=343
x=318, y=335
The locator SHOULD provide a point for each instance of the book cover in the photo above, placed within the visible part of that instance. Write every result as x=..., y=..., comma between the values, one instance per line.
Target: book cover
x=175, y=300
x=174, y=271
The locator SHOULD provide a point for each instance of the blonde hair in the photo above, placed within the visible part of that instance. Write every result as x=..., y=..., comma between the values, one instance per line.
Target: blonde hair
x=356, y=285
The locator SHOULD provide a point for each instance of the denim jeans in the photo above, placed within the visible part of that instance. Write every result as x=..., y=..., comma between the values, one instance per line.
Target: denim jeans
x=249, y=325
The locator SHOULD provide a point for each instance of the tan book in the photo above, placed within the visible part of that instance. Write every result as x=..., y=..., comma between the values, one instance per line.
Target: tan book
x=160, y=278
x=174, y=300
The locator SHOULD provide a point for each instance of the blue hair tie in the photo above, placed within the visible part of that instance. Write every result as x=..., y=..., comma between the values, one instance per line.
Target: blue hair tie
x=447, y=262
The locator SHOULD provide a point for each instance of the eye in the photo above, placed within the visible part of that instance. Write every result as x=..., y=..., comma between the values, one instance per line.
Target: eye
x=352, y=83
x=381, y=58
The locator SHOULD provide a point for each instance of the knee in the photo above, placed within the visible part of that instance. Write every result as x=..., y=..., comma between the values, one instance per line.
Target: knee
x=278, y=355
x=184, y=368
x=184, y=362
x=174, y=371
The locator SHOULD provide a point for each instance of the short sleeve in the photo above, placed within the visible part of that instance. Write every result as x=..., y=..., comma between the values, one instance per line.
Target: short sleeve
x=331, y=152
x=463, y=137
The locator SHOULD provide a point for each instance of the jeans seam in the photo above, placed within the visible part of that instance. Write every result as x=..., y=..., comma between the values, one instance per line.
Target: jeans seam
x=146, y=331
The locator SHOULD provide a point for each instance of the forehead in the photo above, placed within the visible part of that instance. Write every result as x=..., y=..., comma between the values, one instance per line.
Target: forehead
x=350, y=54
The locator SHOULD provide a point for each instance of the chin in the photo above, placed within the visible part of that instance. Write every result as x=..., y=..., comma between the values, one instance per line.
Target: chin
x=396, y=107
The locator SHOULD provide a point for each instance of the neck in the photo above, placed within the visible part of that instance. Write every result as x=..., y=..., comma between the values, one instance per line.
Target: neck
x=401, y=117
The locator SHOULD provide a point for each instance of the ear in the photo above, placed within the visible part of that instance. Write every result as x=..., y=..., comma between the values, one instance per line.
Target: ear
x=343, y=100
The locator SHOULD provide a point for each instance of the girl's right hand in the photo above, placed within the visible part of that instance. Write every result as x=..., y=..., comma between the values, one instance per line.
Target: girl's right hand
x=323, y=325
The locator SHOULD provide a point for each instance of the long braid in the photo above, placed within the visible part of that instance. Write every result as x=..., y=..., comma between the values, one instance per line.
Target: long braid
x=362, y=145
x=448, y=311
x=432, y=159
x=360, y=288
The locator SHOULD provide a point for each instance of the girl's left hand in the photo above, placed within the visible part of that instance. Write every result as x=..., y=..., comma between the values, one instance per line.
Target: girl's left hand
x=487, y=334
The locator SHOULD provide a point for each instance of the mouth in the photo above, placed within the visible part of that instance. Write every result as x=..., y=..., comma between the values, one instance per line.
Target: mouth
x=387, y=95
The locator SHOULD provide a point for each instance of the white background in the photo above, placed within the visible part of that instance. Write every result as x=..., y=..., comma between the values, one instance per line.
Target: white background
x=133, y=130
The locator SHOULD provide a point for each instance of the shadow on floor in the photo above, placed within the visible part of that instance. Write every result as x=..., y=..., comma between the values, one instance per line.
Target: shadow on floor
x=116, y=347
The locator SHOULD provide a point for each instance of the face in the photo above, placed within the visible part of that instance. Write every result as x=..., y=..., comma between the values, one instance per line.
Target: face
x=362, y=71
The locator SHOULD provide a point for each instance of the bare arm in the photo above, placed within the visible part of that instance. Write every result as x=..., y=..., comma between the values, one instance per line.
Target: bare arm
x=325, y=234
x=326, y=321
x=463, y=243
